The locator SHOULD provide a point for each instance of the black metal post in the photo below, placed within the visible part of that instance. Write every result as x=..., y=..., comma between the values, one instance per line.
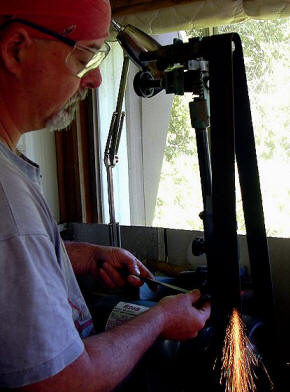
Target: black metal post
x=222, y=252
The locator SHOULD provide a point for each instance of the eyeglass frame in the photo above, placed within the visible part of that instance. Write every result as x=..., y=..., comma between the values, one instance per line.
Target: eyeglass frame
x=69, y=41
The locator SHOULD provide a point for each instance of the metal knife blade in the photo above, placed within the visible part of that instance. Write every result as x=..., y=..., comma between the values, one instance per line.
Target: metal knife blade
x=156, y=282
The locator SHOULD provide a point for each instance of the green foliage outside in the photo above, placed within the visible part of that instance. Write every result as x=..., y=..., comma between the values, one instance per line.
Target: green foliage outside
x=267, y=57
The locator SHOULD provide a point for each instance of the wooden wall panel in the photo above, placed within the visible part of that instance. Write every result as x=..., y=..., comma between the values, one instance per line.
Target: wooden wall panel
x=68, y=175
x=77, y=176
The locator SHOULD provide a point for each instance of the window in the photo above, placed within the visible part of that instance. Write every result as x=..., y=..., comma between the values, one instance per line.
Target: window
x=266, y=52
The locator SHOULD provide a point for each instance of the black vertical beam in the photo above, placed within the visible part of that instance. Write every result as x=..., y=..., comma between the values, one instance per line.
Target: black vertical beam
x=251, y=192
x=254, y=216
x=222, y=251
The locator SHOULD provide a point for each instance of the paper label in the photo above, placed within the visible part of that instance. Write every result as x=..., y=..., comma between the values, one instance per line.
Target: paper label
x=122, y=312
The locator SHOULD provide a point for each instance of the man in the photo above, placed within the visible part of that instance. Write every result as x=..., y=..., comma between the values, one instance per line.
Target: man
x=49, y=54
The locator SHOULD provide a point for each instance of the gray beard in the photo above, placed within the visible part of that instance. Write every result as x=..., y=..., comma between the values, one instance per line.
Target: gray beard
x=65, y=116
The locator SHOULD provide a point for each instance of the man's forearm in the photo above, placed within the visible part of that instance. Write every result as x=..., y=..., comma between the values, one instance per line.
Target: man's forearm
x=121, y=348
x=108, y=357
x=81, y=256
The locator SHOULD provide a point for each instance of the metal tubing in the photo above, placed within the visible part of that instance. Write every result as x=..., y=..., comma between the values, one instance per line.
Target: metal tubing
x=116, y=134
x=111, y=150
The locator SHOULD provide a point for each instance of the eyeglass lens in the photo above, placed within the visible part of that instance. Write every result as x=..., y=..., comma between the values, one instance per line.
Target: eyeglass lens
x=81, y=60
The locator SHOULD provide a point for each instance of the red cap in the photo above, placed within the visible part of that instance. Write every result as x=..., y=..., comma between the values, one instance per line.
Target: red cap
x=76, y=19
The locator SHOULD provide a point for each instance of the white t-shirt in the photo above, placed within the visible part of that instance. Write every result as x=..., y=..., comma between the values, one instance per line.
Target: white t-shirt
x=43, y=315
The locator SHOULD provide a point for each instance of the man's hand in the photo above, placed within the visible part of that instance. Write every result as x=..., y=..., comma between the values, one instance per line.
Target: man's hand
x=112, y=265
x=183, y=318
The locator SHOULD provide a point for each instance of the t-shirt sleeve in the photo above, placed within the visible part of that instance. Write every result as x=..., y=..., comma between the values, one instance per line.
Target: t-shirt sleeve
x=38, y=338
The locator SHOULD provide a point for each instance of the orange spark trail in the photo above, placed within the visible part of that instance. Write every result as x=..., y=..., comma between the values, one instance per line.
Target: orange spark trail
x=238, y=360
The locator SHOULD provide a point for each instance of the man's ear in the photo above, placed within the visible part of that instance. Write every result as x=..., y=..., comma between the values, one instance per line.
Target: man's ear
x=13, y=45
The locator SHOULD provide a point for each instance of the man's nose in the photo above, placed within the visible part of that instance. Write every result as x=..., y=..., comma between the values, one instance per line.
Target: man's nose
x=92, y=79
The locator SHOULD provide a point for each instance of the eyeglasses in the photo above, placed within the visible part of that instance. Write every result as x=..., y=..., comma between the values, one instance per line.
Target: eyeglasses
x=82, y=59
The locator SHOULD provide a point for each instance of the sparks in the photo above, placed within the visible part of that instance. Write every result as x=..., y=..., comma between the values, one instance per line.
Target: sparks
x=238, y=360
